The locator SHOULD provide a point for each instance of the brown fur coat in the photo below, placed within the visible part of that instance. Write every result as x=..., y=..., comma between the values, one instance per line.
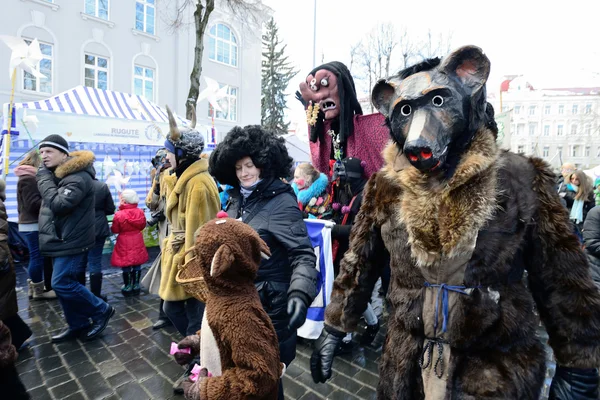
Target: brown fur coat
x=498, y=216
x=238, y=343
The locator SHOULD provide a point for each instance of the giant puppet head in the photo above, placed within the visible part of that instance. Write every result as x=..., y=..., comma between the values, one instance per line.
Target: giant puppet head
x=328, y=93
x=435, y=108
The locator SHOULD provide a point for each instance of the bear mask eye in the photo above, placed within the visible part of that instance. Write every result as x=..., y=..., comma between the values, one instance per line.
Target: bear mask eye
x=437, y=100
x=406, y=110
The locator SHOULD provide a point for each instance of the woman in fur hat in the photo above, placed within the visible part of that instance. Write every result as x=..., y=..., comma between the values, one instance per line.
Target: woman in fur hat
x=193, y=201
x=253, y=160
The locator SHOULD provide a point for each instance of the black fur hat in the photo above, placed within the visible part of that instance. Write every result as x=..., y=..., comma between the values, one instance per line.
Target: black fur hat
x=267, y=151
x=349, y=107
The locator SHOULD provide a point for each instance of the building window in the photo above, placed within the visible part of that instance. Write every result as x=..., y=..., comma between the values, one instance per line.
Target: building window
x=546, y=130
x=97, y=8
x=588, y=108
x=521, y=149
x=547, y=110
x=546, y=151
x=531, y=110
x=504, y=108
x=573, y=129
x=559, y=151
x=574, y=151
x=143, y=82
x=222, y=45
x=517, y=109
x=532, y=129
x=145, y=16
x=587, y=151
x=520, y=129
x=559, y=130
x=533, y=146
x=561, y=109
x=34, y=84
x=96, y=71
x=228, y=105
x=575, y=109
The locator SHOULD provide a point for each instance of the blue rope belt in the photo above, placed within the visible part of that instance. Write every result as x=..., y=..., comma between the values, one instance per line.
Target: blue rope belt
x=443, y=289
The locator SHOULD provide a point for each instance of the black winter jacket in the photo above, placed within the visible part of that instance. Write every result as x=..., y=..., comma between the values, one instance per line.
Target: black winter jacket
x=591, y=238
x=290, y=271
x=103, y=206
x=67, y=220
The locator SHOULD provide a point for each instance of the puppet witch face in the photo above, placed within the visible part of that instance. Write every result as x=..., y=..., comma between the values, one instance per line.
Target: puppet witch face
x=322, y=89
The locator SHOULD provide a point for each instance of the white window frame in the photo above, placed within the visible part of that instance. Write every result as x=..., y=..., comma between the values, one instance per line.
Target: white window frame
x=588, y=108
x=145, y=79
x=97, y=9
x=574, y=129
x=559, y=129
x=522, y=130
x=587, y=151
x=227, y=102
x=44, y=57
x=575, y=109
x=532, y=110
x=97, y=69
x=574, y=150
x=520, y=149
x=517, y=109
x=546, y=130
x=232, y=45
x=559, y=150
x=561, y=108
x=146, y=4
x=546, y=151
x=587, y=130
x=532, y=129
x=547, y=109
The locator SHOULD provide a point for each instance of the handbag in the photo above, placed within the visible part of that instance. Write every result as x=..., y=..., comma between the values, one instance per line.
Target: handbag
x=151, y=280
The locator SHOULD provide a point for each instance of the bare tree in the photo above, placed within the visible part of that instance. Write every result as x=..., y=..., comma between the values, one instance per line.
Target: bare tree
x=435, y=45
x=247, y=12
x=406, y=46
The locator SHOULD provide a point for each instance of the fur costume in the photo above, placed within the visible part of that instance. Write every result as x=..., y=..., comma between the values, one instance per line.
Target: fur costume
x=329, y=91
x=460, y=236
x=238, y=344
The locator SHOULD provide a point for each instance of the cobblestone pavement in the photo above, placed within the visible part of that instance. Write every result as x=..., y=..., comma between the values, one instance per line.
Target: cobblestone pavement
x=131, y=361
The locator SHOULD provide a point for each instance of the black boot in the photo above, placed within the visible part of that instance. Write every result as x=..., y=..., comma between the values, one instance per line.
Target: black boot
x=126, y=289
x=135, y=284
x=69, y=334
x=369, y=335
x=48, y=269
x=96, y=285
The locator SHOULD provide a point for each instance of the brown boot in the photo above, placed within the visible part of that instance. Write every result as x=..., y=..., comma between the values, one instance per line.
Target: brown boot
x=39, y=294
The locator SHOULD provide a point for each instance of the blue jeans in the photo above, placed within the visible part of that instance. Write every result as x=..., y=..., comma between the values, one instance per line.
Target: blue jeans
x=78, y=303
x=93, y=258
x=36, y=261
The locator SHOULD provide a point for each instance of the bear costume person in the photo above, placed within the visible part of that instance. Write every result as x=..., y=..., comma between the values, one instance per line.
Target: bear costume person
x=237, y=343
x=462, y=221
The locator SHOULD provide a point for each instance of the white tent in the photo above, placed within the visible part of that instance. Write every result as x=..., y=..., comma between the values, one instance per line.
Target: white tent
x=123, y=128
x=297, y=149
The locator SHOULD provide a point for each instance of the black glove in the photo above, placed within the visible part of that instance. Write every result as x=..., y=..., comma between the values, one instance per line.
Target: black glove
x=574, y=384
x=297, y=309
x=335, y=231
x=322, y=357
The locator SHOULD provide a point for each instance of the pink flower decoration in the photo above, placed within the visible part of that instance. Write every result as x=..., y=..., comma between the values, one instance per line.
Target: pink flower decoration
x=319, y=201
x=222, y=214
x=363, y=164
x=345, y=210
x=336, y=206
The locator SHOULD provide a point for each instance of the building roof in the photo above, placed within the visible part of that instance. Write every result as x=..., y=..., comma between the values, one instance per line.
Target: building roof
x=586, y=91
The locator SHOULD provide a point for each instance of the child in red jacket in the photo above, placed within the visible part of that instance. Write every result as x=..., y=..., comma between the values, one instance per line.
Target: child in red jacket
x=130, y=251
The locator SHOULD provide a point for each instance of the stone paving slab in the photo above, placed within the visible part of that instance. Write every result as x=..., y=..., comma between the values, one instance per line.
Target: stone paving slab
x=131, y=361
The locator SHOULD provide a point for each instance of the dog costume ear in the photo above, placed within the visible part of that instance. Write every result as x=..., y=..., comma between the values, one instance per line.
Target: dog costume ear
x=469, y=65
x=382, y=96
x=222, y=261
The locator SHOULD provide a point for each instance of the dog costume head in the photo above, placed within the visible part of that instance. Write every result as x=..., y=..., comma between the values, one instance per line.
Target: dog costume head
x=229, y=253
x=435, y=108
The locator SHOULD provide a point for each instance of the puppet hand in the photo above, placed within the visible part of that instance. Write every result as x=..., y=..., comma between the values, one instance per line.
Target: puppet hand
x=322, y=356
x=297, y=309
x=193, y=343
x=191, y=390
x=574, y=383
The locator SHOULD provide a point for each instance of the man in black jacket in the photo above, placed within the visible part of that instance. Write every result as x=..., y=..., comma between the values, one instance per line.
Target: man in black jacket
x=67, y=232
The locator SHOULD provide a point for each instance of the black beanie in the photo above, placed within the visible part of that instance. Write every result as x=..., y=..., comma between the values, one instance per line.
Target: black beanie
x=56, y=141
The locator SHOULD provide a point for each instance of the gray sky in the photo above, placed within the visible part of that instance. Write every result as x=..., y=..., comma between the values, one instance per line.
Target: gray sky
x=552, y=45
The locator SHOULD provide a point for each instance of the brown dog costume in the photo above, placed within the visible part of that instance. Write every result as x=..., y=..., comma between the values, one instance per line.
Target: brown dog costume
x=237, y=343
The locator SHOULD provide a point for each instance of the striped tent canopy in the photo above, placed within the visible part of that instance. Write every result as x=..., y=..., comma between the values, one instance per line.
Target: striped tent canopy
x=83, y=100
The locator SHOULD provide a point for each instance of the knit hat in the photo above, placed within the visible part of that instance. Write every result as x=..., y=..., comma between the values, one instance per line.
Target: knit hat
x=57, y=142
x=130, y=196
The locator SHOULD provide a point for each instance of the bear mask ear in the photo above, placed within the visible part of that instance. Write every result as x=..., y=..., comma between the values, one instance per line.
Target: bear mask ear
x=222, y=261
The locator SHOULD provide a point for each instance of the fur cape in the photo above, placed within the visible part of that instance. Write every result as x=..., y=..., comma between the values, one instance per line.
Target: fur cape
x=498, y=216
